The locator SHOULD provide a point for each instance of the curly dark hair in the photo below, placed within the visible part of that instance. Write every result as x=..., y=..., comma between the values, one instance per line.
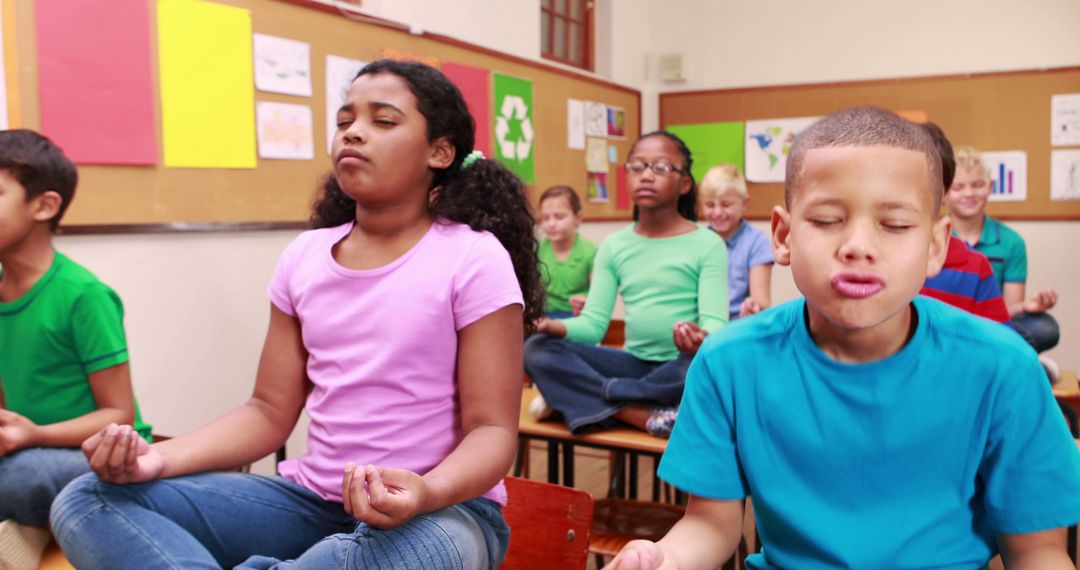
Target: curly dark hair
x=485, y=196
x=687, y=205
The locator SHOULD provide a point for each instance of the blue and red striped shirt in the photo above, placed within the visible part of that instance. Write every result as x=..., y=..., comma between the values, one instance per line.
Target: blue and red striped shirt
x=967, y=281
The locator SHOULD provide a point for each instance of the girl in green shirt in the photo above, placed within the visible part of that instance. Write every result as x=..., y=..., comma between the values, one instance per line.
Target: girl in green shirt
x=566, y=258
x=672, y=275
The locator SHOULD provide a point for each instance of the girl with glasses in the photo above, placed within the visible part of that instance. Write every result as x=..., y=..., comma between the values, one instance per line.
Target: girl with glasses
x=672, y=275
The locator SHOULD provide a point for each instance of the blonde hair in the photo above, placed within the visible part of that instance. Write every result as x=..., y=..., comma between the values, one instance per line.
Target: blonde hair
x=720, y=179
x=971, y=159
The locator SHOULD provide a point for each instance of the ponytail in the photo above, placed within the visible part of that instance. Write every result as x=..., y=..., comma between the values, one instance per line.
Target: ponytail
x=488, y=197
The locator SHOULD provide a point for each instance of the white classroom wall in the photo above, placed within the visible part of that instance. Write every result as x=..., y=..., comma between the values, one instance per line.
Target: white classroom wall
x=196, y=303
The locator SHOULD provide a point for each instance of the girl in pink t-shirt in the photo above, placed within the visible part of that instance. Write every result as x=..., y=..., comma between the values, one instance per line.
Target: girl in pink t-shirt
x=398, y=325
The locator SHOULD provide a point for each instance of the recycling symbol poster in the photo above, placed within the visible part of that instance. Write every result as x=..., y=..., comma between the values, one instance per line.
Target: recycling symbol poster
x=514, y=133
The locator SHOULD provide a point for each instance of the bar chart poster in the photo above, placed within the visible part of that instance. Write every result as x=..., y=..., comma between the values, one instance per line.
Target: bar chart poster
x=1007, y=175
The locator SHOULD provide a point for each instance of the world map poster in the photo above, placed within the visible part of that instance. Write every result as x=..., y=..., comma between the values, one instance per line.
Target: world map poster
x=768, y=143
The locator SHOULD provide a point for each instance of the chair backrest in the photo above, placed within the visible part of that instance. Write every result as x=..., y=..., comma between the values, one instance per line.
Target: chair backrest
x=615, y=336
x=549, y=525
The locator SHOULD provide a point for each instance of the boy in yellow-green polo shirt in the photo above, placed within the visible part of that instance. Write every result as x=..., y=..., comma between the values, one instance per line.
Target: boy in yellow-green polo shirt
x=63, y=355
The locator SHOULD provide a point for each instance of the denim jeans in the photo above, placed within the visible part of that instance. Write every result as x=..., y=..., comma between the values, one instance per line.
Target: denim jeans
x=31, y=478
x=226, y=520
x=589, y=384
x=1040, y=330
x=466, y=536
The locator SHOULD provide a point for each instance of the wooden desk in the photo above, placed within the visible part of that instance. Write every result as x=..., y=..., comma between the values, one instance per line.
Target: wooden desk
x=1067, y=389
x=1067, y=392
x=558, y=437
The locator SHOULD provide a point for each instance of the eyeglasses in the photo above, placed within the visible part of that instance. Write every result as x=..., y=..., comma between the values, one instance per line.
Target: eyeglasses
x=660, y=167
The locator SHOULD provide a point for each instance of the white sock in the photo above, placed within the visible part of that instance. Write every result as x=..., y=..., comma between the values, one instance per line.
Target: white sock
x=21, y=546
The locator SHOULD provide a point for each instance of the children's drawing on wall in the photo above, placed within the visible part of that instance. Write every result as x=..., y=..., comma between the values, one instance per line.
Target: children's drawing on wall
x=1065, y=120
x=1007, y=175
x=596, y=187
x=596, y=119
x=596, y=155
x=1065, y=175
x=575, y=124
x=768, y=143
x=282, y=65
x=616, y=122
x=340, y=72
x=284, y=131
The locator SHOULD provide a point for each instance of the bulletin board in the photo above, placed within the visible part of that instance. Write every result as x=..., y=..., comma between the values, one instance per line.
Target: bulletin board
x=992, y=111
x=278, y=193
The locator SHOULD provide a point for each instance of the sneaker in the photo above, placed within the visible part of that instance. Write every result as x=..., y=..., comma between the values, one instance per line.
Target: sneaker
x=539, y=408
x=21, y=546
x=661, y=421
x=1053, y=372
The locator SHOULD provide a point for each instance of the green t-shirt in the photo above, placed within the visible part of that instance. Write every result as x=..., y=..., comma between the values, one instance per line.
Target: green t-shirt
x=65, y=327
x=662, y=281
x=566, y=278
x=1006, y=251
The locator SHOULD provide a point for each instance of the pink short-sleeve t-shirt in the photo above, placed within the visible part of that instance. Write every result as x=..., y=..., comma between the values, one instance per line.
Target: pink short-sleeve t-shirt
x=382, y=347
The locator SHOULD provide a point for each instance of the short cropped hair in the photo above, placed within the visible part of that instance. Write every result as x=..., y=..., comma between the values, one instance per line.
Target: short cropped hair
x=864, y=126
x=971, y=159
x=571, y=195
x=39, y=166
x=721, y=178
x=945, y=149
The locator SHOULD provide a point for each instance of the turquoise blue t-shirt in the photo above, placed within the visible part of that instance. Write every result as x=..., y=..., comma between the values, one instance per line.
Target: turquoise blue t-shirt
x=1005, y=250
x=913, y=461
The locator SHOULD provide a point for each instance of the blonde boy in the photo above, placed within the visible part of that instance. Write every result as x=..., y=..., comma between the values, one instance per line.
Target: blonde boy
x=967, y=198
x=873, y=428
x=723, y=197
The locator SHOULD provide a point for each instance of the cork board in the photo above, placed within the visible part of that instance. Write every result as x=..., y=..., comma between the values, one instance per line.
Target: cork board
x=279, y=192
x=993, y=111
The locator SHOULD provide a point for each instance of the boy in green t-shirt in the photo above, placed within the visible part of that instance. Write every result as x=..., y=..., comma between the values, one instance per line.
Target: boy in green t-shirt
x=63, y=356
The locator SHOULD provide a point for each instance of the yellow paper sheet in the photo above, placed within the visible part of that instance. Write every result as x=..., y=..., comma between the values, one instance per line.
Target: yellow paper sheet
x=207, y=88
x=12, y=111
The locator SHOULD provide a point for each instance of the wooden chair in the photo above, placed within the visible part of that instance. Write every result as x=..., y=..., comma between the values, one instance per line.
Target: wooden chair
x=618, y=521
x=549, y=525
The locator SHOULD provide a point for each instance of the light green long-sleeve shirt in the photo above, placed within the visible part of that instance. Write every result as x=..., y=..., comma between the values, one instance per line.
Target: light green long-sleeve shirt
x=662, y=281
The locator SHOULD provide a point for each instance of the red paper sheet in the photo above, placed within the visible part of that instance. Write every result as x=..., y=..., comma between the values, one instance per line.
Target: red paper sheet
x=622, y=193
x=475, y=85
x=96, y=89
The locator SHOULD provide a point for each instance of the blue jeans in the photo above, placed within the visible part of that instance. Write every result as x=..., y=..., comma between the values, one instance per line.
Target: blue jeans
x=1040, y=330
x=466, y=536
x=31, y=478
x=590, y=384
x=226, y=520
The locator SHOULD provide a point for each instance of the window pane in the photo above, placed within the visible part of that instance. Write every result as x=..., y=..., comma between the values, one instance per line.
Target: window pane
x=560, y=38
x=575, y=44
x=545, y=32
x=546, y=3
x=575, y=9
x=560, y=6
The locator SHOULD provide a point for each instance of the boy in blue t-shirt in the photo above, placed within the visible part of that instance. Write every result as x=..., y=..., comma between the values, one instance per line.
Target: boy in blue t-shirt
x=873, y=428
